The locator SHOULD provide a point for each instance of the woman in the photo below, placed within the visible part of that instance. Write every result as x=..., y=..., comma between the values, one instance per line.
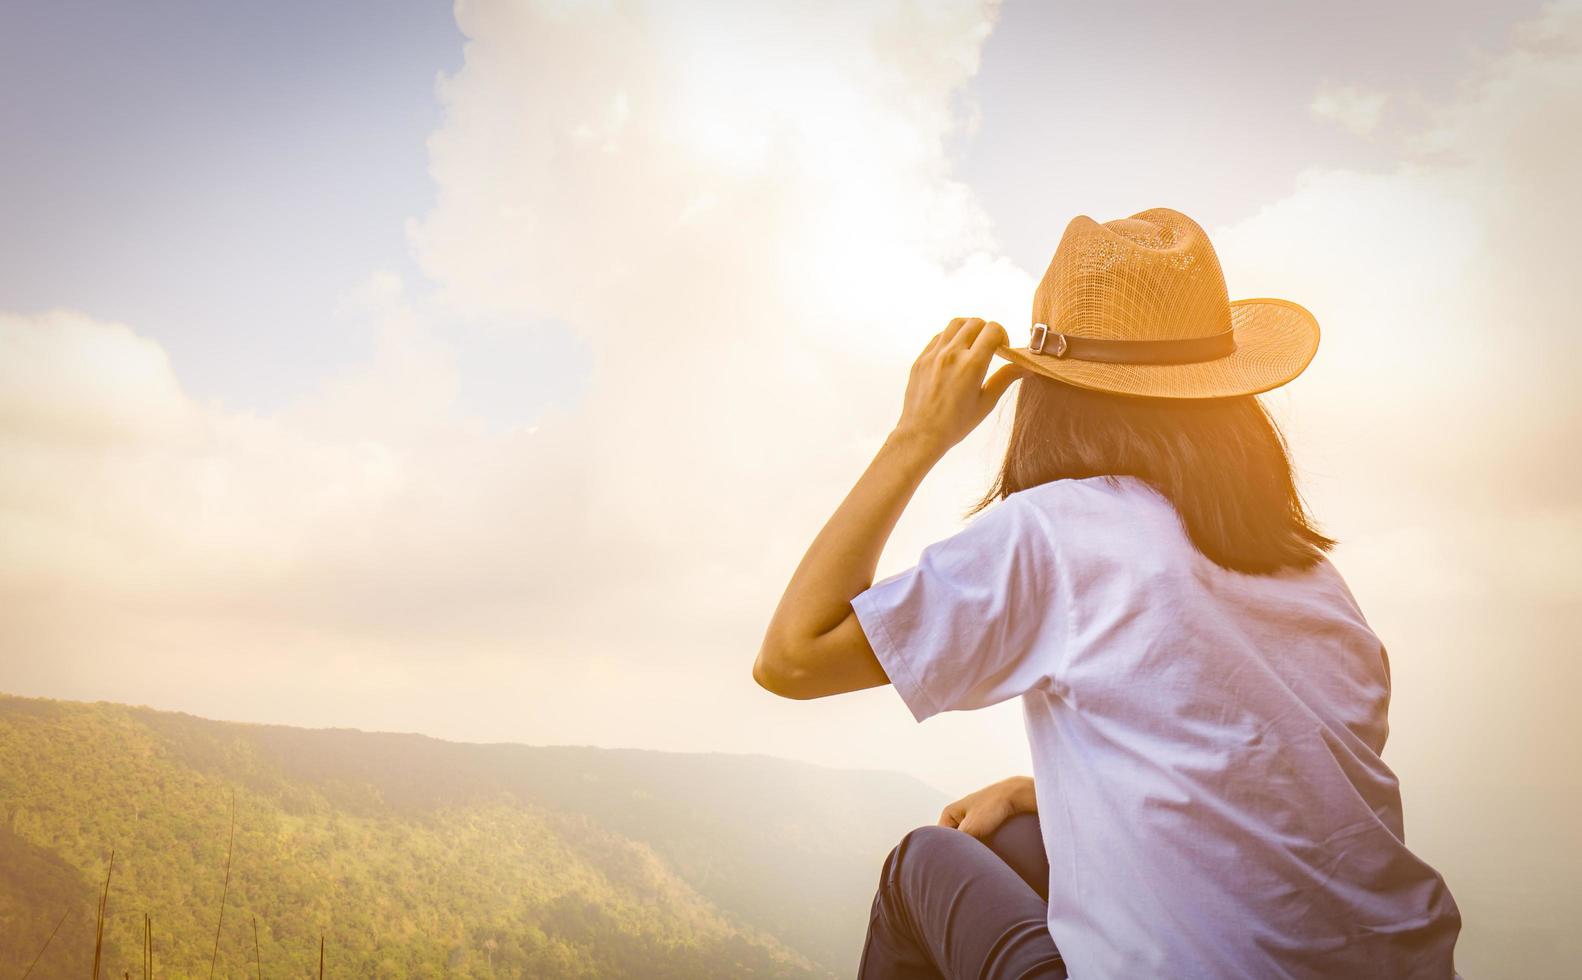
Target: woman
x=1205, y=703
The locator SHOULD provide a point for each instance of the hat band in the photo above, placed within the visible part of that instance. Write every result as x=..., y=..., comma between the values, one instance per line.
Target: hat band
x=1188, y=350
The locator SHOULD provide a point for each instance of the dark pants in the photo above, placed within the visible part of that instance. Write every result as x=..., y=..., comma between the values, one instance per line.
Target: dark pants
x=951, y=906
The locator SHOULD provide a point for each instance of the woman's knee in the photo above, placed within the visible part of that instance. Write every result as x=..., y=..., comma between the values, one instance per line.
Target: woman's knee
x=1017, y=835
x=929, y=840
x=924, y=848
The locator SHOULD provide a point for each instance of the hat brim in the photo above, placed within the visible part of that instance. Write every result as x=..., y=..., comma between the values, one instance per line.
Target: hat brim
x=1275, y=341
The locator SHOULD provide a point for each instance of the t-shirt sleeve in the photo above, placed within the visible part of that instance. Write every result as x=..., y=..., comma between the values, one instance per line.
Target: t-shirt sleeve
x=968, y=625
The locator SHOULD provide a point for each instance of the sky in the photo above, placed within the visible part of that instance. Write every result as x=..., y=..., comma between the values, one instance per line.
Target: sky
x=485, y=371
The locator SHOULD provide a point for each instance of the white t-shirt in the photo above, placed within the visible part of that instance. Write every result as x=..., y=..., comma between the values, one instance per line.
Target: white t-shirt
x=1205, y=742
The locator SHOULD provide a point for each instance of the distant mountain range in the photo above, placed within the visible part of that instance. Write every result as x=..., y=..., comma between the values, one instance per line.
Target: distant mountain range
x=415, y=857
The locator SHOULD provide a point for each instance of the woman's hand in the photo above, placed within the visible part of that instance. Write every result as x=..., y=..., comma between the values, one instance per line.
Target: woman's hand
x=946, y=396
x=980, y=814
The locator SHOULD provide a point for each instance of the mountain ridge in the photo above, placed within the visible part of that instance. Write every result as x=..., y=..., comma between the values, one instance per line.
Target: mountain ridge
x=421, y=856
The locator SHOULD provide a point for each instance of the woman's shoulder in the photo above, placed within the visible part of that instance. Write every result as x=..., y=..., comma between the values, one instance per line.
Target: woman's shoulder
x=1092, y=497
x=1102, y=518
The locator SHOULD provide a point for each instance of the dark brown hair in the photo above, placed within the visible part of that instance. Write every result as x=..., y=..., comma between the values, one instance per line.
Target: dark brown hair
x=1222, y=462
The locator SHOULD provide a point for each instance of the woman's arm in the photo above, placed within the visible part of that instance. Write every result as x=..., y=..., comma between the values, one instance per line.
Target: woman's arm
x=814, y=645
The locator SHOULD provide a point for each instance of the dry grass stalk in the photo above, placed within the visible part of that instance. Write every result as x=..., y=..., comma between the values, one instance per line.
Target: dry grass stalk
x=215, y=958
x=98, y=929
x=47, y=942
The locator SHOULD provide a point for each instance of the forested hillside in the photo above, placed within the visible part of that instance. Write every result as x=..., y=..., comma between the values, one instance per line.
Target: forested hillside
x=414, y=857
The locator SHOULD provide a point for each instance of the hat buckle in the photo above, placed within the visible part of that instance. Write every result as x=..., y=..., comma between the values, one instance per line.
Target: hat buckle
x=1041, y=335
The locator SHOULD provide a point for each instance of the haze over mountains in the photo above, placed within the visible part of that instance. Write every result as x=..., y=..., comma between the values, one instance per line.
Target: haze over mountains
x=415, y=857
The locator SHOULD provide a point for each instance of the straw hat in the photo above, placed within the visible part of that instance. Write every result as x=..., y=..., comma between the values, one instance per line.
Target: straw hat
x=1138, y=306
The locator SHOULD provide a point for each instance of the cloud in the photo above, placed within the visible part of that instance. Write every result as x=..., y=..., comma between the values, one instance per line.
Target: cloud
x=65, y=378
x=1447, y=354
x=1355, y=110
x=747, y=214
x=185, y=499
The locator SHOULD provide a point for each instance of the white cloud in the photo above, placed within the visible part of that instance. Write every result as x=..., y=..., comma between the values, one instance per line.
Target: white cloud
x=65, y=378
x=763, y=226
x=1354, y=109
x=1442, y=290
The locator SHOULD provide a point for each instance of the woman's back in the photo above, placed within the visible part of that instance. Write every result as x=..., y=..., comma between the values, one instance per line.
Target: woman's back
x=1206, y=742
x=1207, y=761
